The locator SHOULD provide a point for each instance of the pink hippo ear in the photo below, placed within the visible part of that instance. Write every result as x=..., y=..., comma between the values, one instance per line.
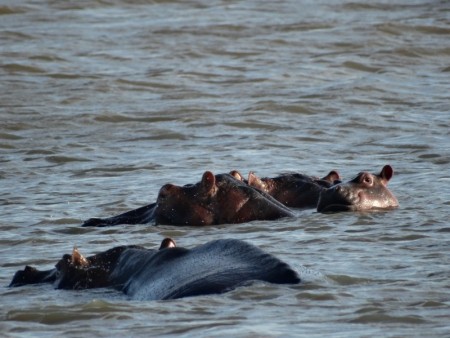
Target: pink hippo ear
x=208, y=181
x=237, y=175
x=255, y=181
x=167, y=243
x=332, y=176
x=386, y=173
x=78, y=259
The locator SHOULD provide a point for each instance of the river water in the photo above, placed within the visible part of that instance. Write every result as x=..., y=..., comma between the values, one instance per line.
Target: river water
x=102, y=102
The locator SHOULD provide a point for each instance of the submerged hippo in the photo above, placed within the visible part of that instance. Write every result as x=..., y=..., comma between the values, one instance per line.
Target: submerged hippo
x=366, y=191
x=294, y=190
x=216, y=199
x=142, y=215
x=168, y=273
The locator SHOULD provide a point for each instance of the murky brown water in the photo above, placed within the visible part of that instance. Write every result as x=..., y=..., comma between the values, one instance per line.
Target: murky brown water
x=103, y=102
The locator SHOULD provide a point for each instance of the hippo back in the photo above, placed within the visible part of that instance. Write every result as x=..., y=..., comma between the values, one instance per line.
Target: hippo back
x=214, y=267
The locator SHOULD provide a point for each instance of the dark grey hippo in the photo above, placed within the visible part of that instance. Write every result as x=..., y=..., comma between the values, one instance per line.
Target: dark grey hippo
x=168, y=273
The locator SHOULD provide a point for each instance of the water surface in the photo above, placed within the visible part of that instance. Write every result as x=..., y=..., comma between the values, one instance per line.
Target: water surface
x=103, y=102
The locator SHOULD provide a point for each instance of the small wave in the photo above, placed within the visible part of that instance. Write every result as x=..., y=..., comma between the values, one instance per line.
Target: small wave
x=319, y=296
x=18, y=68
x=7, y=136
x=49, y=316
x=119, y=118
x=65, y=76
x=349, y=280
x=383, y=318
x=65, y=159
x=148, y=84
x=5, y=10
x=359, y=66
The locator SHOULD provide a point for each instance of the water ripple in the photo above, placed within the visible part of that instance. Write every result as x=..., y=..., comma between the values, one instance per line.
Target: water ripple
x=103, y=102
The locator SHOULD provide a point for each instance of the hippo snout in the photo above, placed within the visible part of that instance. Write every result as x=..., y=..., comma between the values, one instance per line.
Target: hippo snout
x=336, y=198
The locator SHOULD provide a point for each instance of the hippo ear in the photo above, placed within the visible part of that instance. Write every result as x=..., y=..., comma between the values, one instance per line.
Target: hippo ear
x=255, y=181
x=237, y=175
x=252, y=178
x=386, y=173
x=78, y=259
x=167, y=243
x=332, y=176
x=208, y=181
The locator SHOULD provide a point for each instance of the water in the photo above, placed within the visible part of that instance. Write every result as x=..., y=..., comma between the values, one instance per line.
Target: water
x=103, y=102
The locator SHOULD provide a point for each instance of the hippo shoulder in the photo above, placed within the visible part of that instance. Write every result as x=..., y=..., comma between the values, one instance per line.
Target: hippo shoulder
x=214, y=267
x=130, y=262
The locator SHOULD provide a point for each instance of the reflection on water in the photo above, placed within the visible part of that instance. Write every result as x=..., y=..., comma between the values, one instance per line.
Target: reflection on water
x=103, y=102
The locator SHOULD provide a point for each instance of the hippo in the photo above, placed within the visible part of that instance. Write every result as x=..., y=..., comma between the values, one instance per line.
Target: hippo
x=216, y=199
x=170, y=272
x=142, y=215
x=365, y=192
x=293, y=190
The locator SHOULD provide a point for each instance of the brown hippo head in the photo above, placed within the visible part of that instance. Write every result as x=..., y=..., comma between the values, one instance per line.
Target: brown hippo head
x=216, y=199
x=294, y=190
x=366, y=191
x=77, y=272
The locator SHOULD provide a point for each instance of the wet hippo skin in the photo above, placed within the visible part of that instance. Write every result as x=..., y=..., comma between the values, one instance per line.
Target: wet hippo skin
x=216, y=199
x=77, y=272
x=295, y=190
x=171, y=272
x=98, y=265
x=142, y=215
x=365, y=192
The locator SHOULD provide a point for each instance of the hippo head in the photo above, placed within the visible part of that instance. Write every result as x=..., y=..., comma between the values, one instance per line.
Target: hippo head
x=76, y=272
x=190, y=204
x=216, y=199
x=366, y=191
x=294, y=190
